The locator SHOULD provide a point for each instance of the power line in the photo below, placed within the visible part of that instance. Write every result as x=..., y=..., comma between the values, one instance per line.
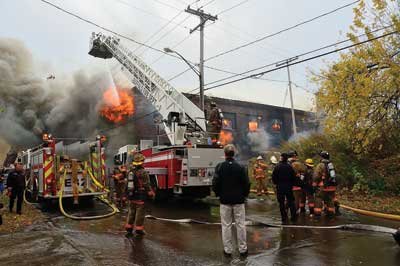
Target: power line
x=282, y=31
x=232, y=7
x=145, y=11
x=158, y=31
x=105, y=28
x=302, y=61
x=168, y=32
x=301, y=55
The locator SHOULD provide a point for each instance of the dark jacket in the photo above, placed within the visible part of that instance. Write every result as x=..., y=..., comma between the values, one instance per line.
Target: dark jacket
x=231, y=182
x=283, y=176
x=142, y=186
x=16, y=180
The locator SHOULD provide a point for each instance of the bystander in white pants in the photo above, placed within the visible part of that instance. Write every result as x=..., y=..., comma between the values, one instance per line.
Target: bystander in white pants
x=229, y=214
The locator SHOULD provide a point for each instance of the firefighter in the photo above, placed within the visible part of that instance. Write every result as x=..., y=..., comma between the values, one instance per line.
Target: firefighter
x=215, y=122
x=16, y=187
x=324, y=183
x=284, y=178
x=138, y=188
x=300, y=171
x=120, y=180
x=308, y=192
x=259, y=175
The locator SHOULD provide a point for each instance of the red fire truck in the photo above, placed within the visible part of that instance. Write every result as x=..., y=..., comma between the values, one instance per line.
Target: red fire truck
x=46, y=164
x=187, y=165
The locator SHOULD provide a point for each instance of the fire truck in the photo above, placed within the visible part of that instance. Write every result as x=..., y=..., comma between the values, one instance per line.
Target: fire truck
x=186, y=166
x=47, y=164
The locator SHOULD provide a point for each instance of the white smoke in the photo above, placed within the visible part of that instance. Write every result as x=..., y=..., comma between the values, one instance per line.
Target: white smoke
x=64, y=106
x=259, y=140
x=301, y=135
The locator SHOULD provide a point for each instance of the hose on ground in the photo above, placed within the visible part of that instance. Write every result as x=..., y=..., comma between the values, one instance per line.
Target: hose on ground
x=354, y=227
x=359, y=211
x=102, y=198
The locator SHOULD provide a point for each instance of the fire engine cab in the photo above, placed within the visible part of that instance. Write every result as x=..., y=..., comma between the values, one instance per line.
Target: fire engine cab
x=187, y=165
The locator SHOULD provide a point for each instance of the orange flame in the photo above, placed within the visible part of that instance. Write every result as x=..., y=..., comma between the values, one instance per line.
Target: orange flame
x=118, y=105
x=225, y=137
x=253, y=126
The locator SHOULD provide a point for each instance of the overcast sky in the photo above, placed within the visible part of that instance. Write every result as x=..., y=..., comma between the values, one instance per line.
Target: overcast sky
x=61, y=41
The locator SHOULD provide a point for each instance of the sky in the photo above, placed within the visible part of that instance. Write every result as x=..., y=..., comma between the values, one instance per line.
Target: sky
x=60, y=42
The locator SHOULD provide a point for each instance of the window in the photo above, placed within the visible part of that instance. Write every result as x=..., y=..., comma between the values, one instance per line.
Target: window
x=230, y=120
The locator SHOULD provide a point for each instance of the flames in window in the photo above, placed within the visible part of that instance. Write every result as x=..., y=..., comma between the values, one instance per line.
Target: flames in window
x=253, y=126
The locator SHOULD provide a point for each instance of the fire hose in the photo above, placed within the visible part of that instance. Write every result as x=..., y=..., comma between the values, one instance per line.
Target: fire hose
x=356, y=210
x=354, y=227
x=102, y=198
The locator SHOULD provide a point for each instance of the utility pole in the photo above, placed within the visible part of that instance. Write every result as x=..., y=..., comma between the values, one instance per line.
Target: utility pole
x=286, y=62
x=203, y=19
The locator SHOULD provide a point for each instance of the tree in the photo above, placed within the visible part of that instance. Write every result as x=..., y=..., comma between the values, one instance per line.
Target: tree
x=360, y=93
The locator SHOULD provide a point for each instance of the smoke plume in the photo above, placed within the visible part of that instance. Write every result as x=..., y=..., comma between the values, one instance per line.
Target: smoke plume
x=33, y=104
x=259, y=140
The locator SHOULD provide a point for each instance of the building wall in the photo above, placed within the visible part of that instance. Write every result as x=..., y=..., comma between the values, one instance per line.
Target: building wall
x=143, y=125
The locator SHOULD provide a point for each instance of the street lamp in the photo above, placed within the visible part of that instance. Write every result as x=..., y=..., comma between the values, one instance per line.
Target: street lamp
x=198, y=73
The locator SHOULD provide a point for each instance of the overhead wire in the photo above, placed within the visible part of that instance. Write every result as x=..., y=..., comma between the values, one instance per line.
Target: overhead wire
x=232, y=7
x=105, y=28
x=159, y=30
x=281, y=31
x=145, y=11
x=302, y=61
x=301, y=55
x=109, y=30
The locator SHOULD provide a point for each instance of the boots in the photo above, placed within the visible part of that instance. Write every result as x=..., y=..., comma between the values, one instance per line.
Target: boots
x=129, y=233
x=337, y=209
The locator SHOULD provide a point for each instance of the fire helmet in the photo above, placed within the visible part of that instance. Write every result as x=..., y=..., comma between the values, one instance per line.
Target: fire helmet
x=292, y=154
x=310, y=162
x=324, y=155
x=138, y=159
x=273, y=159
x=259, y=158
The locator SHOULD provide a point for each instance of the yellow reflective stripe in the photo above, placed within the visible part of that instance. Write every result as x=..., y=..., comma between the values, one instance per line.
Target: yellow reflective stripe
x=48, y=162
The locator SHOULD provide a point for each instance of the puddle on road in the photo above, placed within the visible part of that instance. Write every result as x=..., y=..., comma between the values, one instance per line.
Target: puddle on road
x=102, y=242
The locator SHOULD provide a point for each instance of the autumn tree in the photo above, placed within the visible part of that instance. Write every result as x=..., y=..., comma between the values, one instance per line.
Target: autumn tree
x=359, y=94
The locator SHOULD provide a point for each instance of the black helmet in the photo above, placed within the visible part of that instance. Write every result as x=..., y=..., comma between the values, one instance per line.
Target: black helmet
x=284, y=156
x=324, y=155
x=292, y=154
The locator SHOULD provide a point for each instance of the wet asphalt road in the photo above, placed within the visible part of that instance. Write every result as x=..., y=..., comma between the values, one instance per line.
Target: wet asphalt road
x=61, y=241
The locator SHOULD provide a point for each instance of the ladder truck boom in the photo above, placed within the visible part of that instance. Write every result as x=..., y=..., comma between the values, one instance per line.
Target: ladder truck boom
x=177, y=111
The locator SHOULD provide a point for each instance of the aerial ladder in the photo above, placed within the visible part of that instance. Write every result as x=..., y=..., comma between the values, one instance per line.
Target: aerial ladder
x=180, y=116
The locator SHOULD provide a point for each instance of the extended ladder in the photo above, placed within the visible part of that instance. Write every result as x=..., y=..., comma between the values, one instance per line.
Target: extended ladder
x=177, y=111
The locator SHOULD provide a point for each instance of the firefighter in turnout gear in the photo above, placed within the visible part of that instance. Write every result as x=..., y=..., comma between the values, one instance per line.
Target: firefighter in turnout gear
x=259, y=175
x=308, y=191
x=138, y=189
x=324, y=183
x=215, y=122
x=300, y=171
x=120, y=181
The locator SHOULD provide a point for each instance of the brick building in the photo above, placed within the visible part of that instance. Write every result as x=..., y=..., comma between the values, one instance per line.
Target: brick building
x=274, y=123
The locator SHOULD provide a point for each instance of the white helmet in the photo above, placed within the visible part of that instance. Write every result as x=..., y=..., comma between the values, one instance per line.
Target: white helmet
x=259, y=157
x=273, y=159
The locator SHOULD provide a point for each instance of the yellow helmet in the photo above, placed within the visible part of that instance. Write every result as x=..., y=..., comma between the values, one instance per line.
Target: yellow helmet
x=138, y=159
x=310, y=162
